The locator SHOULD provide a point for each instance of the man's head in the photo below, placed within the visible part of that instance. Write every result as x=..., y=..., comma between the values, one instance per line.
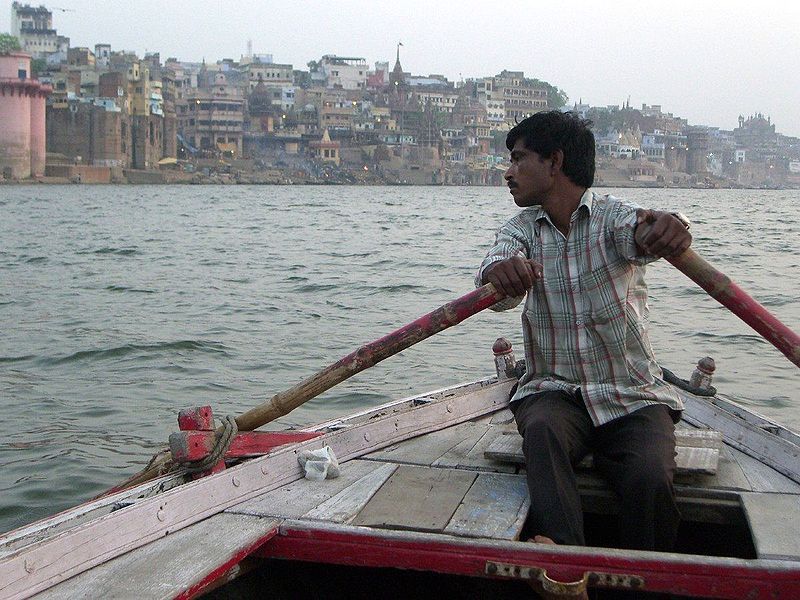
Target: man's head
x=547, y=132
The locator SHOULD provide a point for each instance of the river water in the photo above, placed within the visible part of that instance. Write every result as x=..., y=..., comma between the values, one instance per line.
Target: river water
x=120, y=305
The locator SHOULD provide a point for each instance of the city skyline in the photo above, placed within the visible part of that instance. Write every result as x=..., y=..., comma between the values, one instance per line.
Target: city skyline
x=697, y=64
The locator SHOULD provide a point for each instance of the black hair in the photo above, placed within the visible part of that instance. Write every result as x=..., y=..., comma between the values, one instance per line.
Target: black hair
x=546, y=132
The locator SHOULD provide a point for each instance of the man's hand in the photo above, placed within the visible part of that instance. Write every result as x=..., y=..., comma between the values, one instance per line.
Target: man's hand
x=513, y=276
x=661, y=234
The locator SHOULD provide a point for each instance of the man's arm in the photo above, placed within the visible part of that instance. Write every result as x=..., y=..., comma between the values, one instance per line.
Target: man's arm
x=507, y=267
x=660, y=234
x=513, y=276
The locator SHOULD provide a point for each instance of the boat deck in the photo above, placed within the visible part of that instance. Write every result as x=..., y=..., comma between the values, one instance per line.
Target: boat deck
x=450, y=488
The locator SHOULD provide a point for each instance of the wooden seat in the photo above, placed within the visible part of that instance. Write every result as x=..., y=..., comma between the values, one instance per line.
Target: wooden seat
x=697, y=451
x=772, y=519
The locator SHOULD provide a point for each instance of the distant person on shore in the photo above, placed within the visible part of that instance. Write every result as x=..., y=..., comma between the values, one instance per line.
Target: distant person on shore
x=591, y=382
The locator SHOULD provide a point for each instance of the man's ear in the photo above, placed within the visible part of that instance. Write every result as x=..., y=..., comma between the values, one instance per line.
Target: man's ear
x=558, y=159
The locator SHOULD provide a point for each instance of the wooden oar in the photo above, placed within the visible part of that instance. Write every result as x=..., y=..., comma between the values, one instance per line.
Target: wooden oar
x=366, y=356
x=725, y=291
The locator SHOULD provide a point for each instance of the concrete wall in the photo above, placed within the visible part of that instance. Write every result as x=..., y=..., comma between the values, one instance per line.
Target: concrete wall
x=86, y=131
x=80, y=173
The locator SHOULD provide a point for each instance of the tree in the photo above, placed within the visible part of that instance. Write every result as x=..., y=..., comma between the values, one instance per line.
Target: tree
x=556, y=98
x=38, y=66
x=8, y=43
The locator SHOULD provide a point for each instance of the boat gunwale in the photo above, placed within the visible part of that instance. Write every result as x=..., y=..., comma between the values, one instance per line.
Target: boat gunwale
x=334, y=543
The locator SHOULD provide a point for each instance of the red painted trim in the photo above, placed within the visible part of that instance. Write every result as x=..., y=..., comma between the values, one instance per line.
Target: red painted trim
x=199, y=588
x=196, y=445
x=725, y=578
x=200, y=418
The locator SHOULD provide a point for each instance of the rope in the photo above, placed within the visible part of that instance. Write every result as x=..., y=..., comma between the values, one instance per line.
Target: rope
x=224, y=439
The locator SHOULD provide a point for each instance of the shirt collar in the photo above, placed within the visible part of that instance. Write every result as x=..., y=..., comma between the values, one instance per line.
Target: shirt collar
x=587, y=200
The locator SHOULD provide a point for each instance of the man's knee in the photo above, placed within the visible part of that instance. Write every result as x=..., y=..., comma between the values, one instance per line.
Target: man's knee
x=650, y=476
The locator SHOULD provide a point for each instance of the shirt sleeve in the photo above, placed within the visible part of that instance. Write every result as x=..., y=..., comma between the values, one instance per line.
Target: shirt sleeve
x=624, y=224
x=510, y=241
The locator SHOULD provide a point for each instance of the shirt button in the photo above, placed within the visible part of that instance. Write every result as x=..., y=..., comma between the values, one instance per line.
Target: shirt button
x=578, y=321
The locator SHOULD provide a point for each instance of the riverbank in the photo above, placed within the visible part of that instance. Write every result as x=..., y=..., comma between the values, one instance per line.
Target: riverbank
x=610, y=173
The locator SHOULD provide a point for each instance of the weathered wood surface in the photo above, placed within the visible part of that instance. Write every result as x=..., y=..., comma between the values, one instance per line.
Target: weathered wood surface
x=773, y=521
x=345, y=505
x=56, y=559
x=782, y=453
x=172, y=564
x=495, y=507
x=43, y=529
x=471, y=454
x=416, y=498
x=764, y=478
x=424, y=450
x=695, y=458
x=295, y=499
x=461, y=446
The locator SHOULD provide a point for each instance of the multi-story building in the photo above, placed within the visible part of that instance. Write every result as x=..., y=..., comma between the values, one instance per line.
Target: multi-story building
x=102, y=55
x=522, y=97
x=344, y=72
x=22, y=113
x=211, y=117
x=80, y=57
x=510, y=92
x=336, y=112
x=33, y=27
x=271, y=74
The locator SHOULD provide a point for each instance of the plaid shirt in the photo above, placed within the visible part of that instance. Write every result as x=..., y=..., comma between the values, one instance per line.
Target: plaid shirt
x=585, y=322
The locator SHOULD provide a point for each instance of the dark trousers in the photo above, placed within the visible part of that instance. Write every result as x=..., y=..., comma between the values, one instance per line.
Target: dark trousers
x=635, y=453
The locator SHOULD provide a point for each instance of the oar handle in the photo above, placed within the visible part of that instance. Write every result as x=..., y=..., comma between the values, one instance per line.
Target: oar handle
x=370, y=354
x=725, y=291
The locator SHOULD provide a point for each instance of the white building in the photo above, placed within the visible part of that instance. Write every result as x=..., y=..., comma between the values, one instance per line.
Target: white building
x=33, y=27
x=343, y=72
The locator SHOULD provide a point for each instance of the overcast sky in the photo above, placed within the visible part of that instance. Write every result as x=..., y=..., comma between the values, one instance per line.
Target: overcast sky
x=708, y=65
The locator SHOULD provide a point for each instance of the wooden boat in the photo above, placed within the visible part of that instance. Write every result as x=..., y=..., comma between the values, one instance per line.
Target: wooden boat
x=430, y=500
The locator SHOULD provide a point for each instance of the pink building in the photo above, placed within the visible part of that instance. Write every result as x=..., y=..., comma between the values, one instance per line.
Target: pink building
x=22, y=113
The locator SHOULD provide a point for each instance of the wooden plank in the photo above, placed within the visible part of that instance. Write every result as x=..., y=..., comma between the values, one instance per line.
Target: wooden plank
x=689, y=459
x=172, y=564
x=729, y=475
x=502, y=417
x=417, y=498
x=295, y=499
x=698, y=438
x=506, y=448
x=696, y=460
x=495, y=507
x=773, y=520
x=71, y=518
x=781, y=454
x=471, y=454
x=345, y=505
x=43, y=564
x=764, y=478
x=424, y=450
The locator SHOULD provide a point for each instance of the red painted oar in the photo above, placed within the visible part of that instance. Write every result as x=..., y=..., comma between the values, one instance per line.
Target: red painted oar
x=720, y=287
x=370, y=354
x=438, y=320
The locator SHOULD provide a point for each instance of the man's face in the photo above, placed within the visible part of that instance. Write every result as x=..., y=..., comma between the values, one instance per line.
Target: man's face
x=529, y=177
